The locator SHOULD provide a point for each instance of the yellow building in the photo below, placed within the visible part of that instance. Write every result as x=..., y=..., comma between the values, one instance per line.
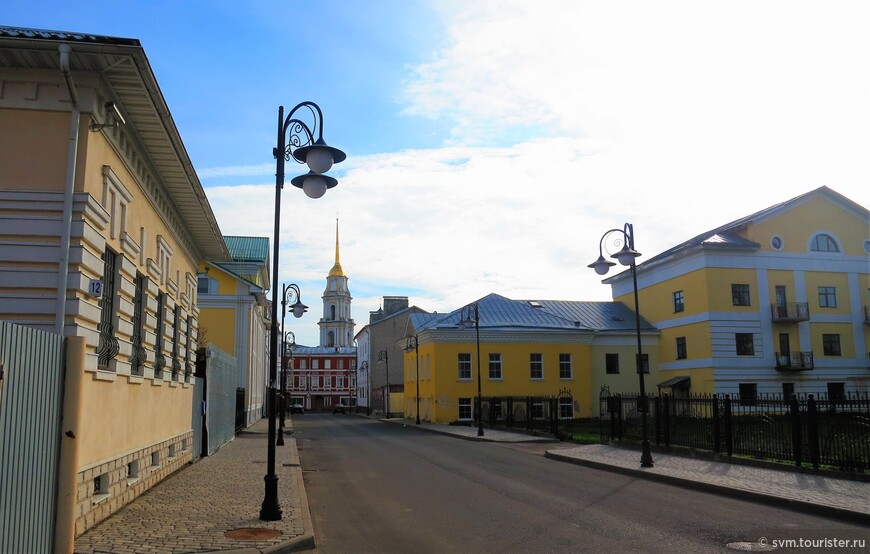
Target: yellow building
x=775, y=302
x=103, y=226
x=234, y=315
x=527, y=348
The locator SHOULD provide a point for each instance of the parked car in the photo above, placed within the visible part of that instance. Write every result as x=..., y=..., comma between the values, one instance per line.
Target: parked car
x=339, y=409
x=297, y=409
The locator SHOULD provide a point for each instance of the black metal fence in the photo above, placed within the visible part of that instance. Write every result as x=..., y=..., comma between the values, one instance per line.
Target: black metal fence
x=805, y=429
x=547, y=414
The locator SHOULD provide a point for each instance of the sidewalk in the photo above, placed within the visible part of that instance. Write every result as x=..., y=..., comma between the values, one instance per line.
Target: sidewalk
x=816, y=494
x=193, y=510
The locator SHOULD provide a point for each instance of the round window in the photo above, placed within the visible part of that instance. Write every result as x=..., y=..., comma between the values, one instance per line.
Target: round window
x=776, y=243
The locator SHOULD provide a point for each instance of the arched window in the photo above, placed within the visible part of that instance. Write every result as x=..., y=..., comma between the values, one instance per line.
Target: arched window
x=824, y=243
x=332, y=312
x=330, y=338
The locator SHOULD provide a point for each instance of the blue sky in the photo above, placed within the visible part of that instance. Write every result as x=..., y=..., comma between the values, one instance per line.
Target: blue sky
x=491, y=143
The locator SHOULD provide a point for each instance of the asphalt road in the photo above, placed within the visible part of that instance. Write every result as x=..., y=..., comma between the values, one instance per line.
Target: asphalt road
x=380, y=487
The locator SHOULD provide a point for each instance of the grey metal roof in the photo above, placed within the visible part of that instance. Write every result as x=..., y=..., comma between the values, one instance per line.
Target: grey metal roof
x=123, y=66
x=301, y=350
x=499, y=312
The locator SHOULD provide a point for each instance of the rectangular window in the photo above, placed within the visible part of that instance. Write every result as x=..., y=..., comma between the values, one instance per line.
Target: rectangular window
x=836, y=391
x=678, y=301
x=108, y=345
x=176, y=338
x=565, y=369
x=681, y=348
x=464, y=409
x=537, y=409
x=138, y=354
x=464, y=363
x=159, y=358
x=827, y=297
x=831, y=345
x=611, y=363
x=566, y=408
x=536, y=366
x=787, y=390
x=495, y=366
x=745, y=344
x=748, y=393
x=740, y=295
x=644, y=365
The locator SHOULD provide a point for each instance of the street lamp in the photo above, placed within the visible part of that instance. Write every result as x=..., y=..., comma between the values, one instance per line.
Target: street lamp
x=412, y=344
x=626, y=256
x=383, y=356
x=364, y=367
x=471, y=314
x=292, y=340
x=303, y=147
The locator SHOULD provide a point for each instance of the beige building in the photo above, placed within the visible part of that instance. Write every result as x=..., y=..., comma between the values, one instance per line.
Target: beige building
x=103, y=226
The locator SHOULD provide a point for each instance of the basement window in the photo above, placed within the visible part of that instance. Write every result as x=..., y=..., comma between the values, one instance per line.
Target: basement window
x=132, y=472
x=101, y=488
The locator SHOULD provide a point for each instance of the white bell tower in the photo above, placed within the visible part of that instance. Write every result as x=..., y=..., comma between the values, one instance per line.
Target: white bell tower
x=336, y=325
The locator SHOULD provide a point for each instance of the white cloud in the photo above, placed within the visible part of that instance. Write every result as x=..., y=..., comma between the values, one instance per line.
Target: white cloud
x=675, y=116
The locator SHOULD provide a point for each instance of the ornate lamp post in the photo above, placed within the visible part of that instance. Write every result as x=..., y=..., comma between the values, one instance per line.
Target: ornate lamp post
x=412, y=344
x=383, y=356
x=471, y=314
x=626, y=257
x=289, y=337
x=303, y=148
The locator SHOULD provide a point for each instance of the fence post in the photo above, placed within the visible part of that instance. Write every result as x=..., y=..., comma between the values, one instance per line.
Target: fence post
x=667, y=418
x=729, y=434
x=813, y=430
x=657, y=406
x=553, y=429
x=528, y=413
x=717, y=435
x=795, y=429
x=510, y=413
x=619, y=417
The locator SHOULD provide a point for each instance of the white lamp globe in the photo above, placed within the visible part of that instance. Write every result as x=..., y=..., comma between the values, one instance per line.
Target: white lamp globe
x=319, y=160
x=314, y=186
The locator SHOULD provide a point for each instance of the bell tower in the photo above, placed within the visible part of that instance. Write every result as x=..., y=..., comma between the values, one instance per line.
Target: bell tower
x=336, y=325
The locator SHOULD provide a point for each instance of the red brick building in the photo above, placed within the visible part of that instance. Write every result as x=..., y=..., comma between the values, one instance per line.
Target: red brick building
x=320, y=377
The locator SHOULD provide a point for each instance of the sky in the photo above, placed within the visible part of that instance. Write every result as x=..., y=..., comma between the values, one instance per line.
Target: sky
x=490, y=144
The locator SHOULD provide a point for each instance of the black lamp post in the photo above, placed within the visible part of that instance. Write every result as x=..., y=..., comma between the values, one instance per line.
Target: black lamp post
x=471, y=314
x=289, y=337
x=413, y=344
x=298, y=308
x=383, y=356
x=364, y=367
x=626, y=256
x=303, y=148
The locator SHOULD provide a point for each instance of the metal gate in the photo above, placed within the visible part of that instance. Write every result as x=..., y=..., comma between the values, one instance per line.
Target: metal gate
x=31, y=400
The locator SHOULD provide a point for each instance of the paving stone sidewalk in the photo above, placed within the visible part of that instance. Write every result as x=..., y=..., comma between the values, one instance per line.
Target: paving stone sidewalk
x=818, y=494
x=193, y=509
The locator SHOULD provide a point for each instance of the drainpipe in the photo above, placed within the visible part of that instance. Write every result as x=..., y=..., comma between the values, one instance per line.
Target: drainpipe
x=63, y=264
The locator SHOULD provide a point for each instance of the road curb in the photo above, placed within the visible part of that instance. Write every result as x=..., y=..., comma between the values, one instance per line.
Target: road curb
x=447, y=432
x=776, y=501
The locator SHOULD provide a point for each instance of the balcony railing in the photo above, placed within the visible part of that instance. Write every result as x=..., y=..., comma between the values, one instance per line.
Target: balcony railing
x=790, y=312
x=794, y=361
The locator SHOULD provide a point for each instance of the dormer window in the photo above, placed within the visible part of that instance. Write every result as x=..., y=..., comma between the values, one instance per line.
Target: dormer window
x=824, y=243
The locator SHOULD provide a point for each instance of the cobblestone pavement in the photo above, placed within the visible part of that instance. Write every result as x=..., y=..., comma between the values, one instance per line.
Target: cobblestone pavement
x=803, y=491
x=193, y=509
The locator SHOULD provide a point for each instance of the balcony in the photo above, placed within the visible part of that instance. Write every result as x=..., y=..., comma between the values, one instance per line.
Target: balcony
x=791, y=312
x=794, y=361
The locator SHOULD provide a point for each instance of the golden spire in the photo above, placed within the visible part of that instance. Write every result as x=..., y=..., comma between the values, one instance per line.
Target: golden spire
x=336, y=269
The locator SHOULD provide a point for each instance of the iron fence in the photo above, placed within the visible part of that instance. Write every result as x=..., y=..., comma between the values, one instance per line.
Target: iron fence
x=802, y=429
x=547, y=414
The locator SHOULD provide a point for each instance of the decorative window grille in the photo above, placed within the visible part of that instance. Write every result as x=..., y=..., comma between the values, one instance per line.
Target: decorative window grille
x=139, y=356
x=159, y=358
x=107, y=349
x=176, y=338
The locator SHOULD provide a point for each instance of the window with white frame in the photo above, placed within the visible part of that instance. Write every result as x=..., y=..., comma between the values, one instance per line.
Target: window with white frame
x=536, y=366
x=495, y=366
x=464, y=362
x=827, y=297
x=464, y=409
x=565, y=369
x=824, y=243
x=566, y=408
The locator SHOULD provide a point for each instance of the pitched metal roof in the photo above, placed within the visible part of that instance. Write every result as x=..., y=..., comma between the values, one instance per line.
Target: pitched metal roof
x=248, y=249
x=123, y=66
x=499, y=312
x=726, y=237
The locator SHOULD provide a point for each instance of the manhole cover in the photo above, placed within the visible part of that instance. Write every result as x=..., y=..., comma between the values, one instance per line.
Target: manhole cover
x=761, y=546
x=252, y=534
